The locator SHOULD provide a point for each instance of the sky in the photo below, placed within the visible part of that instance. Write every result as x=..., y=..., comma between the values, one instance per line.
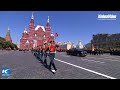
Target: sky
x=70, y=25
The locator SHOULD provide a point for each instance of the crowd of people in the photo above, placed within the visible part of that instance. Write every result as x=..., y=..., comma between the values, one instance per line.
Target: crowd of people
x=114, y=51
x=96, y=52
x=44, y=51
x=101, y=51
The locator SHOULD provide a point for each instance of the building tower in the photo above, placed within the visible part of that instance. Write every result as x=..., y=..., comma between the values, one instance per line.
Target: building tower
x=36, y=36
x=8, y=37
x=31, y=31
x=48, y=30
x=31, y=26
x=24, y=39
x=79, y=45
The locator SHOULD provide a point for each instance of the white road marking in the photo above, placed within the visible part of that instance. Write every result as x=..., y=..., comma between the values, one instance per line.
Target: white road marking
x=117, y=57
x=92, y=60
x=84, y=59
x=87, y=69
x=109, y=59
x=87, y=59
x=65, y=56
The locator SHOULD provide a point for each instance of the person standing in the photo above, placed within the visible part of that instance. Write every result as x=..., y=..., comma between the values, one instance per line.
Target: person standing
x=46, y=52
x=40, y=52
x=102, y=51
x=52, y=51
x=99, y=51
x=110, y=50
x=90, y=52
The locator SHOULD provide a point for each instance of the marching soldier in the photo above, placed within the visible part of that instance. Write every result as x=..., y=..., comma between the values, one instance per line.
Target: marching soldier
x=40, y=52
x=95, y=51
x=99, y=51
x=37, y=52
x=102, y=52
x=110, y=51
x=52, y=49
x=113, y=51
x=90, y=52
x=119, y=52
x=46, y=52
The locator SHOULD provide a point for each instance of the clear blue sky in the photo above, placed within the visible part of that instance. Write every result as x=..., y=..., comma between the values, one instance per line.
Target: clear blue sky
x=70, y=25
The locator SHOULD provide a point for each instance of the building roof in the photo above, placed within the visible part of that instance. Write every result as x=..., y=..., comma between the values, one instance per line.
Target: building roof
x=38, y=26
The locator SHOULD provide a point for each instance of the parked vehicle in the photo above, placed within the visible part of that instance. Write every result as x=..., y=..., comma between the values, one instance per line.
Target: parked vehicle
x=76, y=52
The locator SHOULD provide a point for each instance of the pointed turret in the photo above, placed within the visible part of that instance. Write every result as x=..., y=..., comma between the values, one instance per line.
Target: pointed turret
x=8, y=37
x=48, y=19
x=32, y=25
x=48, y=23
x=48, y=29
x=80, y=45
x=32, y=16
x=25, y=30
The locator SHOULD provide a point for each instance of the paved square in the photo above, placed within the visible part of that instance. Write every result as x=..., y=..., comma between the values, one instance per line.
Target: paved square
x=27, y=66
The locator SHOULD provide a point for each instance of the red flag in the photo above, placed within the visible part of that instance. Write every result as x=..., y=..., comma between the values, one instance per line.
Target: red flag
x=56, y=34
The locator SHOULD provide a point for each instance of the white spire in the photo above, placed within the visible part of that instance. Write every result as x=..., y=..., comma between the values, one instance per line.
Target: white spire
x=80, y=44
x=8, y=28
x=25, y=30
x=32, y=16
x=48, y=20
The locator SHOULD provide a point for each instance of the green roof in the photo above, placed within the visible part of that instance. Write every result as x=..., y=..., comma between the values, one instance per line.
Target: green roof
x=8, y=33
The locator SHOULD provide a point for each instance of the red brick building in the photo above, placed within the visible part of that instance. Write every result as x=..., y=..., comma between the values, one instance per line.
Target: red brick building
x=8, y=36
x=35, y=36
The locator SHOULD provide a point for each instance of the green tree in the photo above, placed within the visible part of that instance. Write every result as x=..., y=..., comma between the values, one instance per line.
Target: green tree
x=4, y=44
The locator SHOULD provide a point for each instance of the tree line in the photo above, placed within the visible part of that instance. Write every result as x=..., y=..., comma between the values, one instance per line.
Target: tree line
x=5, y=45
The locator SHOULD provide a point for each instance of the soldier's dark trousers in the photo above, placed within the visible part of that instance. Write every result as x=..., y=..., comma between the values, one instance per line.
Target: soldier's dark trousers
x=45, y=57
x=40, y=55
x=52, y=56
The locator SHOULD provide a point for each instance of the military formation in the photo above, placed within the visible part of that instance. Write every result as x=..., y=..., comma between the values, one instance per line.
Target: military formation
x=44, y=51
x=97, y=52
x=112, y=51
